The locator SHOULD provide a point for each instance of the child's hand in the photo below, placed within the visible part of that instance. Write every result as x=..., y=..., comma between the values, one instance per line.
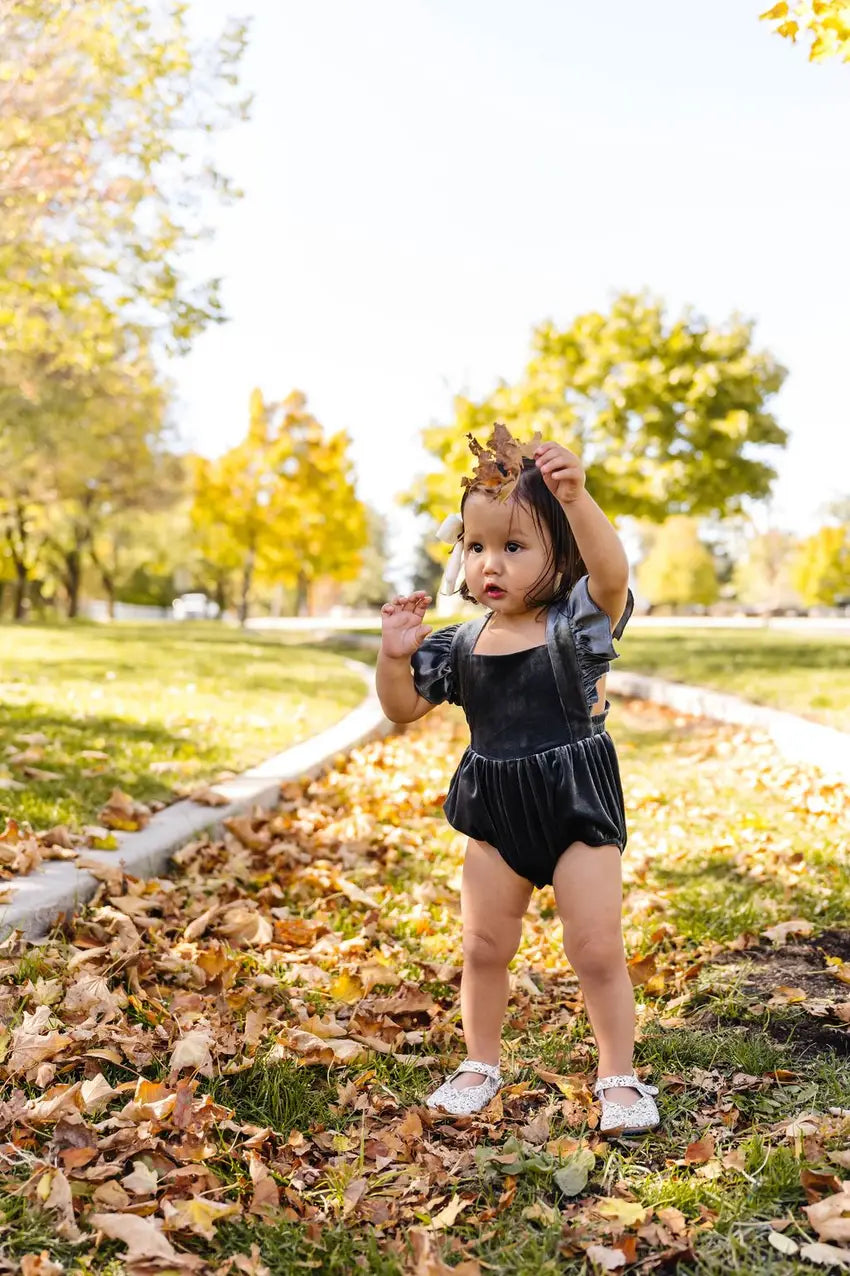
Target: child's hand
x=402, y=630
x=562, y=471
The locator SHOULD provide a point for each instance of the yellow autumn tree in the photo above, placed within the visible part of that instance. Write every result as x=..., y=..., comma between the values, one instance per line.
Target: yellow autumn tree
x=820, y=569
x=826, y=21
x=678, y=569
x=281, y=507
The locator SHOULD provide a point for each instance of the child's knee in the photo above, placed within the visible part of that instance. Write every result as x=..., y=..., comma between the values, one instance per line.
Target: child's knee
x=485, y=946
x=597, y=954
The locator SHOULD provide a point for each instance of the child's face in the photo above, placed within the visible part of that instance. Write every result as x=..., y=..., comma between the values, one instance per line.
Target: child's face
x=503, y=553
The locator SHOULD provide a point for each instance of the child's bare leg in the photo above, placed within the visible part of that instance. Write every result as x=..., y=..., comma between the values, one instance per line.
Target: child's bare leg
x=589, y=894
x=493, y=903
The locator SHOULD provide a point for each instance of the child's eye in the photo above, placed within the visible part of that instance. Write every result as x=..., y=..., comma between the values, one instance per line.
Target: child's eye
x=474, y=546
x=512, y=545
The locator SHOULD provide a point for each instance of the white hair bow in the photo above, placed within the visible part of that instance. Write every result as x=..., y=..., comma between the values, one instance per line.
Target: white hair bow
x=448, y=532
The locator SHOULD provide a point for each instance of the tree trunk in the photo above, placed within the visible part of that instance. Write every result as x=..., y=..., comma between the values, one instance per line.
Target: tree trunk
x=302, y=595
x=18, y=550
x=19, y=607
x=244, y=595
x=107, y=577
x=73, y=573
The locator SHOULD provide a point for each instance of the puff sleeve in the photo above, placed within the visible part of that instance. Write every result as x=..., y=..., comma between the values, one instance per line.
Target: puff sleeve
x=433, y=676
x=592, y=635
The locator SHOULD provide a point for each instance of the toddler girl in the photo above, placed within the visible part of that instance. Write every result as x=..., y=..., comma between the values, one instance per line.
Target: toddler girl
x=538, y=791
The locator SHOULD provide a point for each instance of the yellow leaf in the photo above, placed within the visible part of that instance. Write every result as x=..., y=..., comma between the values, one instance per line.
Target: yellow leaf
x=449, y=1213
x=198, y=1215
x=347, y=988
x=626, y=1212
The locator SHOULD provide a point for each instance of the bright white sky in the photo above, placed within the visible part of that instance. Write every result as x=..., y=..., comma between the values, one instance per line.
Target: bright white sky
x=426, y=179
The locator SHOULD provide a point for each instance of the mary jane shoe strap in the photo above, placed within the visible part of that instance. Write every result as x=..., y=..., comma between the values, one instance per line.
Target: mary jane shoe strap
x=610, y=1083
x=472, y=1065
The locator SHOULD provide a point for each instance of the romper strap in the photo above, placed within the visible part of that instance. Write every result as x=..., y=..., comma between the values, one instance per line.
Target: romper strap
x=463, y=644
x=562, y=652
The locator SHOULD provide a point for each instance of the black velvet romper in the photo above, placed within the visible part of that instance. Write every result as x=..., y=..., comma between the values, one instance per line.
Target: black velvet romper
x=540, y=771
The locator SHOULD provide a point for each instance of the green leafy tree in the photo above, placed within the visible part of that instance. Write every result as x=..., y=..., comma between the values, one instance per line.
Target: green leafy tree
x=106, y=111
x=141, y=551
x=663, y=415
x=105, y=172
x=820, y=569
x=679, y=569
x=826, y=21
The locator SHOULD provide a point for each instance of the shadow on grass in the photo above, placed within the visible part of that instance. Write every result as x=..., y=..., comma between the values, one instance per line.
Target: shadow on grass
x=135, y=745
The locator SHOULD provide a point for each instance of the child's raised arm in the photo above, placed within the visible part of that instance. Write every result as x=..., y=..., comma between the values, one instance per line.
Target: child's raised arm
x=402, y=632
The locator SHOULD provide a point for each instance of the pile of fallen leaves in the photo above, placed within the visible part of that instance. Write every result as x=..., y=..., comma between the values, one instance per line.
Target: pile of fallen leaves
x=309, y=937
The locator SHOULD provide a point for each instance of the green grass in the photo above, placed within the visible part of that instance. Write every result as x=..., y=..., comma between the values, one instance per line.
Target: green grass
x=186, y=700
x=804, y=674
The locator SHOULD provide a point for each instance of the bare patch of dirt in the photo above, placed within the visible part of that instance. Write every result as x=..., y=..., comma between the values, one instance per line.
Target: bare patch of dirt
x=810, y=1025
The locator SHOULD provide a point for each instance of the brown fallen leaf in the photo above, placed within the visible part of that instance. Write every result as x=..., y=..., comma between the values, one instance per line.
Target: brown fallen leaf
x=266, y=1198
x=605, y=1258
x=827, y=1255
x=37, y=774
x=193, y=1050
x=142, y=1236
x=700, y=1151
x=40, y=1265
x=34, y=1040
x=124, y=813
x=641, y=969
x=207, y=796
x=780, y=932
x=311, y=1049
x=142, y=1181
x=783, y=995
x=830, y=1217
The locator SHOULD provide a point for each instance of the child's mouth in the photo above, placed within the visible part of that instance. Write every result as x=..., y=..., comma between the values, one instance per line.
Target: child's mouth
x=494, y=591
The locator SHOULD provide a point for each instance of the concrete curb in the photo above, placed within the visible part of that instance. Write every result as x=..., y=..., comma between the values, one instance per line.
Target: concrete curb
x=796, y=738
x=59, y=886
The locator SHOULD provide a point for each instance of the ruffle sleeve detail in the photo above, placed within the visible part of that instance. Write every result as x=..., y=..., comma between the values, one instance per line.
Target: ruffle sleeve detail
x=592, y=635
x=433, y=676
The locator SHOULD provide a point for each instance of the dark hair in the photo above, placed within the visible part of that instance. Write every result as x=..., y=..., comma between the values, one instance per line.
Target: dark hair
x=551, y=522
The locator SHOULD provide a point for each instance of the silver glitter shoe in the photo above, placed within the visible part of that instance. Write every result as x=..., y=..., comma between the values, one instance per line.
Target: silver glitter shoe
x=471, y=1099
x=635, y=1118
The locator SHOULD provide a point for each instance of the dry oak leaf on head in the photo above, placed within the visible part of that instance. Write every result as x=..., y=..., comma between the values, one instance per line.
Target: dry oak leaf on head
x=499, y=464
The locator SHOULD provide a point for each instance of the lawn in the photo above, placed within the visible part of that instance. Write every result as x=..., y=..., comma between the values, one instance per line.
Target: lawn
x=151, y=709
x=232, y=1063
x=804, y=674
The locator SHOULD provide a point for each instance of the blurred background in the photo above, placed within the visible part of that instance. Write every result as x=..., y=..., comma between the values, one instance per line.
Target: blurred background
x=263, y=267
